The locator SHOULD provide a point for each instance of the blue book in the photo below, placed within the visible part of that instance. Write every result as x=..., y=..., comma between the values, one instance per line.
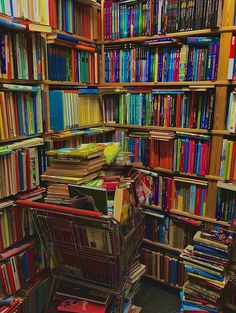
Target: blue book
x=211, y=250
x=174, y=270
x=202, y=201
x=193, y=192
x=11, y=25
x=20, y=114
x=67, y=38
x=196, y=271
x=25, y=267
x=209, y=61
x=56, y=110
x=21, y=168
x=198, y=157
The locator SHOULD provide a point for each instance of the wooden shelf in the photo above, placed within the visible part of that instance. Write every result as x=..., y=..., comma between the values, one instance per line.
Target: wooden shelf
x=204, y=32
x=161, y=245
x=65, y=83
x=163, y=282
x=20, y=138
x=71, y=129
x=201, y=218
x=81, y=38
x=204, y=83
x=21, y=81
x=167, y=171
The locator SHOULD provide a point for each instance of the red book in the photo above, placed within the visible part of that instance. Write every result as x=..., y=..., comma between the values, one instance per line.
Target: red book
x=182, y=152
x=178, y=110
x=136, y=150
x=11, y=276
x=191, y=156
x=198, y=200
x=4, y=282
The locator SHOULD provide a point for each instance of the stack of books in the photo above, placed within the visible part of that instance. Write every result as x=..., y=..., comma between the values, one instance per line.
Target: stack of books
x=74, y=165
x=206, y=263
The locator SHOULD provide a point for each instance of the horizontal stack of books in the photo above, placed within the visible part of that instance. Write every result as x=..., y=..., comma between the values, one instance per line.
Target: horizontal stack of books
x=74, y=165
x=206, y=263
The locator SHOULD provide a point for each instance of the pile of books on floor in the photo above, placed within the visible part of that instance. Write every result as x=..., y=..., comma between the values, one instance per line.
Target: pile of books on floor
x=206, y=263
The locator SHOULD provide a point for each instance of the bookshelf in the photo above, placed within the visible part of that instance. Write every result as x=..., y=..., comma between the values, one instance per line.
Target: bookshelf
x=218, y=132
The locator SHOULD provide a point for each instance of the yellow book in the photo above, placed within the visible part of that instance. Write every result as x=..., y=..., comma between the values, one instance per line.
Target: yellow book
x=2, y=134
x=156, y=66
x=230, y=159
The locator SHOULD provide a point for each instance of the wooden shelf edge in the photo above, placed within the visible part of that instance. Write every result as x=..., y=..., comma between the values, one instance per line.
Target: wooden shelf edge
x=85, y=39
x=208, y=31
x=201, y=218
x=20, y=138
x=71, y=129
x=163, y=282
x=161, y=245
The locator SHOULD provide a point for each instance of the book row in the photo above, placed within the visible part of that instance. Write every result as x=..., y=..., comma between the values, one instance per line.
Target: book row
x=167, y=230
x=226, y=205
x=190, y=197
x=17, y=270
x=28, y=56
x=160, y=187
x=13, y=223
x=21, y=169
x=228, y=160
x=66, y=64
x=22, y=56
x=69, y=16
x=135, y=63
x=75, y=17
x=166, y=108
x=68, y=109
x=20, y=114
x=152, y=17
x=186, y=154
x=164, y=267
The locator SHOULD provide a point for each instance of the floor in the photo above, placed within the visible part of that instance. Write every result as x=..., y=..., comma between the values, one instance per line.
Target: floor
x=157, y=298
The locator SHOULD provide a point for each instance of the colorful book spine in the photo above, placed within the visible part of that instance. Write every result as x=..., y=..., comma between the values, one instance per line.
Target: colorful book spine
x=192, y=154
x=154, y=17
x=20, y=114
x=166, y=268
x=69, y=64
x=135, y=63
x=231, y=114
x=228, y=160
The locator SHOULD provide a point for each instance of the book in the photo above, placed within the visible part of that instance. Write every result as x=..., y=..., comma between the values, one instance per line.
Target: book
x=228, y=157
x=79, y=306
x=231, y=114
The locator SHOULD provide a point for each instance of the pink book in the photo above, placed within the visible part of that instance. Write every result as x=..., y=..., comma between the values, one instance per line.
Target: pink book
x=9, y=253
x=81, y=306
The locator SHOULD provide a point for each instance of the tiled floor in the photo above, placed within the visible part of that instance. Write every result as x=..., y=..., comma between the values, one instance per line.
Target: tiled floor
x=157, y=298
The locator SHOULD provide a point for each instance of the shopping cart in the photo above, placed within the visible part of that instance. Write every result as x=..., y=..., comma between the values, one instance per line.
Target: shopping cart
x=87, y=248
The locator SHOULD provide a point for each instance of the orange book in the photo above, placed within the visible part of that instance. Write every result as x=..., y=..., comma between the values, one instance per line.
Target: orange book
x=85, y=48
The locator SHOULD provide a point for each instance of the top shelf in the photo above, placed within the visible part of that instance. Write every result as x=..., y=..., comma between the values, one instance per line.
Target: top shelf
x=214, y=31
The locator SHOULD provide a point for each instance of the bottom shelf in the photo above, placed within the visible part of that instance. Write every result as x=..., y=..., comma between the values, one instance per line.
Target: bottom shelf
x=163, y=282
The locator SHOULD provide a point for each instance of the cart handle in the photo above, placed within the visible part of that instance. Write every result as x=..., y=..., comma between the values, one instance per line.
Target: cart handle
x=56, y=208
